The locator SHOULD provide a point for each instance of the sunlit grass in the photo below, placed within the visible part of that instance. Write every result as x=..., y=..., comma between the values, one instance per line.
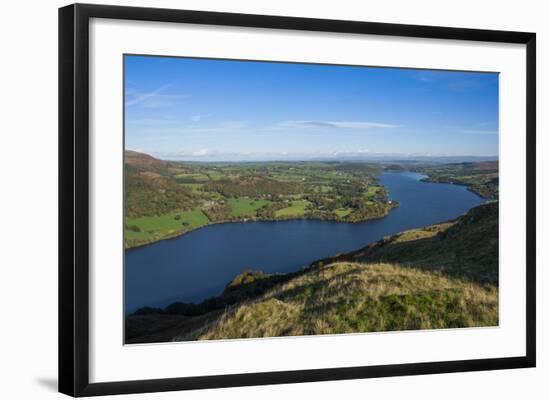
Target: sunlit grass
x=150, y=228
x=342, y=212
x=297, y=209
x=356, y=297
x=244, y=206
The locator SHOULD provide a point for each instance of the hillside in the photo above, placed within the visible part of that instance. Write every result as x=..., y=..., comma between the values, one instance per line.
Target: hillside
x=141, y=162
x=354, y=297
x=151, y=193
x=442, y=276
x=465, y=248
x=150, y=189
x=480, y=177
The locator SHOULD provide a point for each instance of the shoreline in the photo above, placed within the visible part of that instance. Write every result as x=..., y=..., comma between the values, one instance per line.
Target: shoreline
x=395, y=204
x=428, y=178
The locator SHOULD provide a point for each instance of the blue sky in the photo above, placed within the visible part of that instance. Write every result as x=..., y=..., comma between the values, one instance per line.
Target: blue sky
x=193, y=109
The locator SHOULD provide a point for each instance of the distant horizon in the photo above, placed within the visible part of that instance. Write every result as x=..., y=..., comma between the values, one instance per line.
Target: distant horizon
x=229, y=110
x=333, y=158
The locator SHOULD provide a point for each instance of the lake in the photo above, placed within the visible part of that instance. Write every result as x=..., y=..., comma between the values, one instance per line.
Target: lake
x=198, y=265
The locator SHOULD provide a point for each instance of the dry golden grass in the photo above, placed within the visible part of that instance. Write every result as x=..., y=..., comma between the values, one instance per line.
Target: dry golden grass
x=421, y=233
x=358, y=297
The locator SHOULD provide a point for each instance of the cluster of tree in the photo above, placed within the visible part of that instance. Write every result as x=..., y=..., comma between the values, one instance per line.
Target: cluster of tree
x=132, y=227
x=479, y=177
x=357, y=169
x=252, y=186
x=188, y=180
x=485, y=185
x=324, y=202
x=267, y=212
x=321, y=214
x=367, y=211
x=318, y=200
x=361, y=210
x=395, y=168
x=488, y=190
x=155, y=195
x=219, y=212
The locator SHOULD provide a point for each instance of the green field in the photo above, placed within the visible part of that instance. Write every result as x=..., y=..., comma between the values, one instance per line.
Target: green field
x=152, y=228
x=371, y=191
x=342, y=212
x=241, y=207
x=297, y=209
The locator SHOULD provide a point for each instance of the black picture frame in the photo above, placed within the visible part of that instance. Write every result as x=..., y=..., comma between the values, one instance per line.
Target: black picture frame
x=74, y=198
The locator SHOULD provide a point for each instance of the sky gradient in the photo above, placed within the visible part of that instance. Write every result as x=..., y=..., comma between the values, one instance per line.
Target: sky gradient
x=216, y=110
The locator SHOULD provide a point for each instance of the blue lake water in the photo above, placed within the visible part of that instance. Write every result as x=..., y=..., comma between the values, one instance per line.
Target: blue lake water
x=198, y=265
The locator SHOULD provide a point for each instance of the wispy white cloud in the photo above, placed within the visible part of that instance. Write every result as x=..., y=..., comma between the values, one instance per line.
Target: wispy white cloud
x=200, y=152
x=197, y=130
x=479, y=132
x=335, y=124
x=154, y=98
x=150, y=121
x=191, y=154
x=193, y=131
x=140, y=97
x=444, y=80
x=463, y=85
x=225, y=126
x=197, y=118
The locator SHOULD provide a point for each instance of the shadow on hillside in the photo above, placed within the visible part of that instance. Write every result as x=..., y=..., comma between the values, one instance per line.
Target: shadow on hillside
x=468, y=249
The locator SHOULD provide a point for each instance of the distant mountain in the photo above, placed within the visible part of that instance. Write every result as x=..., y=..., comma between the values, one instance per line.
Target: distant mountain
x=342, y=156
x=142, y=162
x=408, y=159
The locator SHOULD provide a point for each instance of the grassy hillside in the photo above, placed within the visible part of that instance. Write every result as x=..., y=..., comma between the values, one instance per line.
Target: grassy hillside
x=354, y=297
x=480, y=177
x=140, y=162
x=156, y=205
x=466, y=248
x=441, y=276
x=149, y=194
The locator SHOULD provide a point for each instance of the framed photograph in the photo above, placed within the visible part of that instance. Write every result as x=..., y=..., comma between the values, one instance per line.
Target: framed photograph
x=250, y=199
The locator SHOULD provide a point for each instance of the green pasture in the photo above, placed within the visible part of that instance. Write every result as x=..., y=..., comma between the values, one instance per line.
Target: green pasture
x=371, y=191
x=153, y=227
x=297, y=209
x=244, y=206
